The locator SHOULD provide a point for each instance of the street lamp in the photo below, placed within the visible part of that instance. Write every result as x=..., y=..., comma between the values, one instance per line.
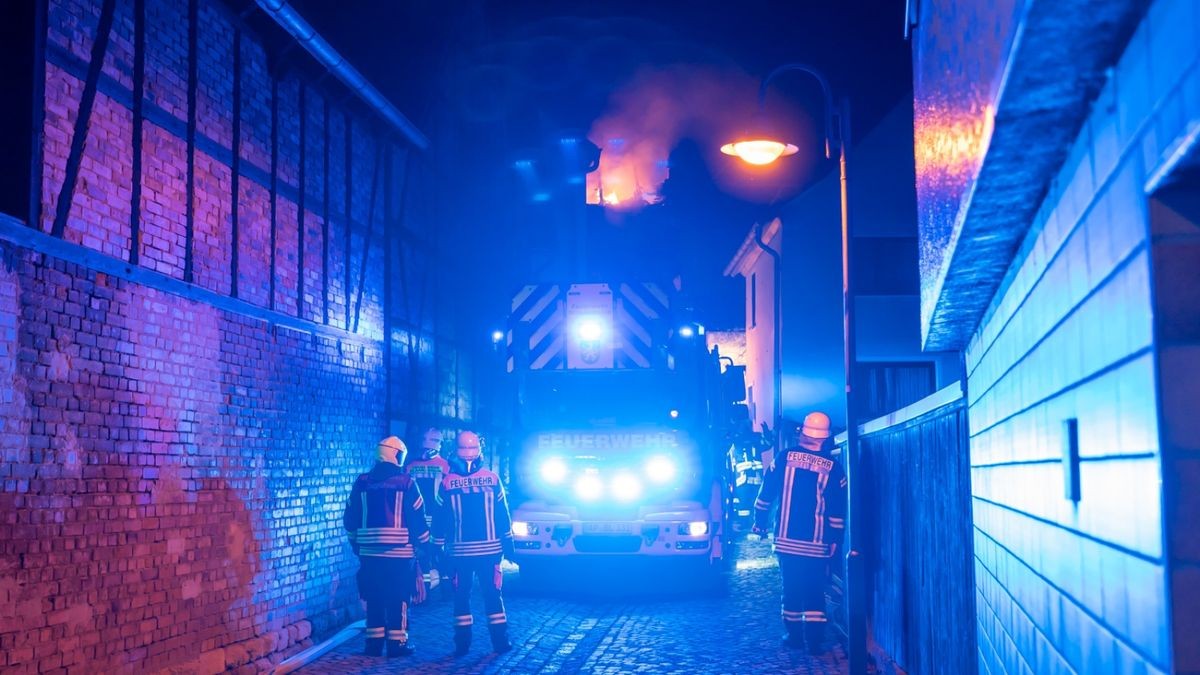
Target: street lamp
x=761, y=148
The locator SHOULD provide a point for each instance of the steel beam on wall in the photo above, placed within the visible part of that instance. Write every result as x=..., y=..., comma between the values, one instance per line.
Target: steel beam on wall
x=349, y=196
x=83, y=117
x=189, y=262
x=139, y=96
x=325, y=220
x=41, y=9
x=274, y=188
x=235, y=164
x=366, y=252
x=301, y=199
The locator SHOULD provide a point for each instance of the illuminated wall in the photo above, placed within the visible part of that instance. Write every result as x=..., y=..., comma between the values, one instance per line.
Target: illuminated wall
x=192, y=353
x=1065, y=354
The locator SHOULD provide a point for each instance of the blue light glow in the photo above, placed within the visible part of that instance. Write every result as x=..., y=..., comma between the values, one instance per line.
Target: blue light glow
x=660, y=469
x=554, y=470
x=588, y=488
x=626, y=487
x=589, y=329
x=687, y=331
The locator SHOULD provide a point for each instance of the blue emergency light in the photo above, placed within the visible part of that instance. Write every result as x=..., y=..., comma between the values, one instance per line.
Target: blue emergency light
x=590, y=329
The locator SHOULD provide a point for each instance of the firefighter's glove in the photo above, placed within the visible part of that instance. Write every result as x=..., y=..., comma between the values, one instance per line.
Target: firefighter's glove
x=758, y=533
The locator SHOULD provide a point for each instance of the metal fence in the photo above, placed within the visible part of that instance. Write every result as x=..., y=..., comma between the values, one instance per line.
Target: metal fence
x=918, y=546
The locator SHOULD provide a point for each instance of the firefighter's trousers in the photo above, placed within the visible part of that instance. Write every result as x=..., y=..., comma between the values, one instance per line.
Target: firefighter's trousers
x=804, y=582
x=386, y=584
x=433, y=562
x=487, y=569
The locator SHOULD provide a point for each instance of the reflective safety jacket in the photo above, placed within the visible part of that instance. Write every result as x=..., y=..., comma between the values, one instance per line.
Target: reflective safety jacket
x=811, y=490
x=385, y=515
x=428, y=474
x=473, y=519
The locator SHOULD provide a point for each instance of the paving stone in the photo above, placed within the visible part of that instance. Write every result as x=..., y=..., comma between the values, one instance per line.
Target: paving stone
x=634, y=628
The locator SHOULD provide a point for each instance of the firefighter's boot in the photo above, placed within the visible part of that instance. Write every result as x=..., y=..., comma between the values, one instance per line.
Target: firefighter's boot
x=814, y=634
x=397, y=648
x=499, y=632
x=793, y=638
x=462, y=640
x=374, y=647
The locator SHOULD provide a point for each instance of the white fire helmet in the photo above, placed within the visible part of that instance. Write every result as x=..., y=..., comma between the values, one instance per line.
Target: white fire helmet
x=392, y=450
x=468, y=448
x=816, y=425
x=431, y=443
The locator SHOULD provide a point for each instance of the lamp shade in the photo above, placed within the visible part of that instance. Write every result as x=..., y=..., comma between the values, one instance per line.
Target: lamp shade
x=760, y=144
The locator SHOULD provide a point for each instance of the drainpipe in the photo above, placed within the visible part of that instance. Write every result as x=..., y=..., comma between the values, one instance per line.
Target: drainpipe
x=295, y=25
x=777, y=336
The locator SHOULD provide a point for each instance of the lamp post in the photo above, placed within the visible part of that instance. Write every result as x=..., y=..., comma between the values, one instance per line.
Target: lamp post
x=761, y=148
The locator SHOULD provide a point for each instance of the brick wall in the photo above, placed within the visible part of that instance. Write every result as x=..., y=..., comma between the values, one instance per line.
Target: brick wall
x=192, y=372
x=171, y=481
x=1064, y=585
x=315, y=274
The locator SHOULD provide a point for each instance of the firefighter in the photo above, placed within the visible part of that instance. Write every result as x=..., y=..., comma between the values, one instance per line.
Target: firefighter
x=385, y=518
x=474, y=526
x=427, y=471
x=810, y=486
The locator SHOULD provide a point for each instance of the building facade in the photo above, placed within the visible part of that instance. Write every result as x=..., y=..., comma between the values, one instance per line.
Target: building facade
x=1056, y=148
x=215, y=276
x=891, y=371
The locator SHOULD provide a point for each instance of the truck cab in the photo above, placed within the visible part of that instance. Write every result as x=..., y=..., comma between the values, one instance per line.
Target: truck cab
x=621, y=443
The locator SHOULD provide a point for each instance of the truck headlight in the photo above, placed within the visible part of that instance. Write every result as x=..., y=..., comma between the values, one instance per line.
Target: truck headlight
x=523, y=529
x=588, y=487
x=660, y=469
x=554, y=470
x=698, y=529
x=626, y=487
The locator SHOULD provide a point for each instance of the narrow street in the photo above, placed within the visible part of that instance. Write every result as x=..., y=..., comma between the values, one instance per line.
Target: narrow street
x=297, y=293
x=651, y=626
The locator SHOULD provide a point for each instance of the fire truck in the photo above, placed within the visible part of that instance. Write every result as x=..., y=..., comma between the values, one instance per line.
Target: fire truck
x=622, y=429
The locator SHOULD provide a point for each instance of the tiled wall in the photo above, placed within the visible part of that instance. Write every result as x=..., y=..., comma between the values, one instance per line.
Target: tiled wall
x=1067, y=586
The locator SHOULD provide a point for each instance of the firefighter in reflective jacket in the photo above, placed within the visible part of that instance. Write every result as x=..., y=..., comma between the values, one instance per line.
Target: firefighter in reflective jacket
x=427, y=471
x=474, y=526
x=810, y=486
x=385, y=518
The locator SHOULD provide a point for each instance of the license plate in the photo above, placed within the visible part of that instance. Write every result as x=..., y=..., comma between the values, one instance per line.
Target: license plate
x=607, y=528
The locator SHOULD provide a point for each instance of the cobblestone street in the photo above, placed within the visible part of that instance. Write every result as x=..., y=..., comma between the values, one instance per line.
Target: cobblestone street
x=651, y=625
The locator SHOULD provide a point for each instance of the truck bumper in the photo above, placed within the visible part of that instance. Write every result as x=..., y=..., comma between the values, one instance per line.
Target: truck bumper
x=544, y=532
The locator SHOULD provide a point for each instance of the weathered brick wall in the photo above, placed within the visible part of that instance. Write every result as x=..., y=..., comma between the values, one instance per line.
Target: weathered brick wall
x=173, y=475
x=288, y=131
x=190, y=377
x=1084, y=586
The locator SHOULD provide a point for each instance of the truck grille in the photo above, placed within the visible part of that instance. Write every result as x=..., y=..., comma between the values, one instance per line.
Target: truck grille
x=586, y=543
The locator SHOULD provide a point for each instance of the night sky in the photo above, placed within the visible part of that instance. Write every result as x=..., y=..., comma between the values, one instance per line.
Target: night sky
x=494, y=81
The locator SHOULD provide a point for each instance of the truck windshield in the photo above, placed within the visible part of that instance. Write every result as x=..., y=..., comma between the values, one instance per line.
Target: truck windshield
x=601, y=399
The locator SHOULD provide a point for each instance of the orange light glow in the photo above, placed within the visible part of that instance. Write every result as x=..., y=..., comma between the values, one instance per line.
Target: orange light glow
x=949, y=147
x=612, y=198
x=759, y=151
